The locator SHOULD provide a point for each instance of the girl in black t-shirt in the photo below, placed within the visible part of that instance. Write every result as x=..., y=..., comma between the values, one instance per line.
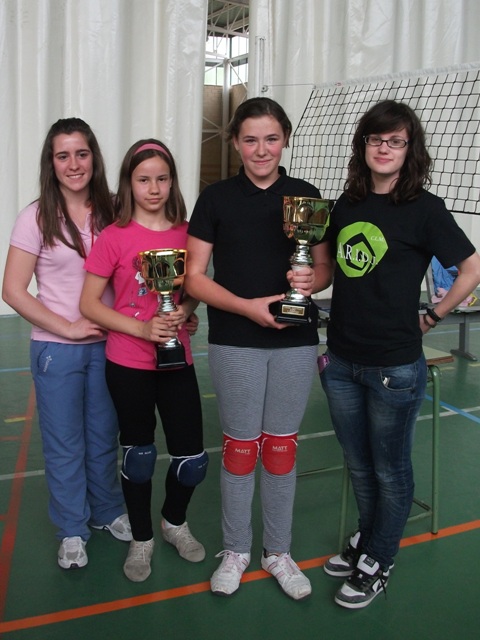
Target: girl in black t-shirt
x=384, y=231
x=262, y=370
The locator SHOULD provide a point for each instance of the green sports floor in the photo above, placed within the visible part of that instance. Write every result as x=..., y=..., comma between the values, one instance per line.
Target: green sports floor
x=433, y=594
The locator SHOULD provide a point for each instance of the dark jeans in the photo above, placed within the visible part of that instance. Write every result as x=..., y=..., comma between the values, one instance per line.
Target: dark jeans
x=374, y=411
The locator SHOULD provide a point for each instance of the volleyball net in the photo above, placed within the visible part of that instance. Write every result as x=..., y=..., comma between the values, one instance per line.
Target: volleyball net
x=448, y=105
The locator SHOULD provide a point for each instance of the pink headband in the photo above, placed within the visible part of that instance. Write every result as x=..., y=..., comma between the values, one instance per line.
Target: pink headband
x=154, y=146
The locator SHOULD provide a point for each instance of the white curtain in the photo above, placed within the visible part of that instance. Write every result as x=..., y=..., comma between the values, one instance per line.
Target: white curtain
x=295, y=46
x=130, y=68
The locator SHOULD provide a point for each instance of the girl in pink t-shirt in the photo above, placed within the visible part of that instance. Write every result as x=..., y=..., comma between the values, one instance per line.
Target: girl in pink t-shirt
x=142, y=375
x=50, y=241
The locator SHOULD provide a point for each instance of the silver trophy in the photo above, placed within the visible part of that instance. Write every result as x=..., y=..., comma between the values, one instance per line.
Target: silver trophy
x=304, y=220
x=164, y=271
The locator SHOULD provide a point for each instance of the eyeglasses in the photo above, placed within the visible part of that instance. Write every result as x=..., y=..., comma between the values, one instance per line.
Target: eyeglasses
x=393, y=143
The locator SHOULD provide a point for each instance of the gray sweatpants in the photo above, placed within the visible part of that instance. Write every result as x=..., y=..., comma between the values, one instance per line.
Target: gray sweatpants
x=260, y=390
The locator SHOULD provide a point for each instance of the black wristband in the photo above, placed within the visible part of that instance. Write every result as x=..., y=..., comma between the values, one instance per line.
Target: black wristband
x=433, y=315
x=430, y=326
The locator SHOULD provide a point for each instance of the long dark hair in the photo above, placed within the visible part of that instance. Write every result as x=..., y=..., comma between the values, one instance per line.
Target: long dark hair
x=175, y=209
x=256, y=108
x=389, y=115
x=51, y=203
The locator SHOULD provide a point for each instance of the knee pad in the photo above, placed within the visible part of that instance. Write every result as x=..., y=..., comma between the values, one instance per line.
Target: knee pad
x=190, y=470
x=139, y=463
x=240, y=456
x=279, y=453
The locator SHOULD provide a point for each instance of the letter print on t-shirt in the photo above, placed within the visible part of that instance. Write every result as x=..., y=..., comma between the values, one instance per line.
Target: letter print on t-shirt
x=360, y=247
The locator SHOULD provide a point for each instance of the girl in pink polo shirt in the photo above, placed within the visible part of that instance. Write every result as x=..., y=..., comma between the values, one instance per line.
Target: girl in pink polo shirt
x=51, y=240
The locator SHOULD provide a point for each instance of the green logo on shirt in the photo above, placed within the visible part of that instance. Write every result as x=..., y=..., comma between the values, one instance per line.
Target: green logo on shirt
x=360, y=247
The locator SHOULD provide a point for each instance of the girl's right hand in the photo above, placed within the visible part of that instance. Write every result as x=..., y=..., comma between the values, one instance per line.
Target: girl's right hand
x=259, y=311
x=83, y=328
x=192, y=323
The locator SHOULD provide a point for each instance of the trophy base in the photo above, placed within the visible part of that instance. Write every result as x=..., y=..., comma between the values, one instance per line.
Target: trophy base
x=171, y=357
x=288, y=312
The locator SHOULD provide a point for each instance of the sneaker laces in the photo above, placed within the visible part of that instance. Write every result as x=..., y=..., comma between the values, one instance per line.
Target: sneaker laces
x=73, y=545
x=184, y=535
x=288, y=567
x=288, y=575
x=137, y=550
x=232, y=562
x=361, y=578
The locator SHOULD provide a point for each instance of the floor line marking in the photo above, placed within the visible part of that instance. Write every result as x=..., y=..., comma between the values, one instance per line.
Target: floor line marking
x=456, y=410
x=200, y=587
x=305, y=436
x=7, y=544
x=15, y=370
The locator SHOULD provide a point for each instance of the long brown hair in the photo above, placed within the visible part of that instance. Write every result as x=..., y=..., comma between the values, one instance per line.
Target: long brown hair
x=52, y=206
x=175, y=209
x=384, y=116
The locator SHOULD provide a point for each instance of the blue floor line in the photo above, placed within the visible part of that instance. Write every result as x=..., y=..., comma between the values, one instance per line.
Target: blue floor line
x=450, y=407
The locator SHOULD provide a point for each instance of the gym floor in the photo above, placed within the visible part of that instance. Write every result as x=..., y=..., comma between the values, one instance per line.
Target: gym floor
x=433, y=592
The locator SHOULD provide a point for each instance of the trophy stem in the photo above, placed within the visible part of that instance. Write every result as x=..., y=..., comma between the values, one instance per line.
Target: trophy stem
x=301, y=257
x=167, y=303
x=294, y=295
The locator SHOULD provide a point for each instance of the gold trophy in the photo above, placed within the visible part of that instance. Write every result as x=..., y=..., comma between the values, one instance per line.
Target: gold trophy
x=163, y=271
x=304, y=220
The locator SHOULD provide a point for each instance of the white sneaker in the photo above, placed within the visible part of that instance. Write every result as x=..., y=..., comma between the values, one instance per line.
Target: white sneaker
x=119, y=528
x=226, y=579
x=72, y=553
x=137, y=565
x=181, y=538
x=290, y=578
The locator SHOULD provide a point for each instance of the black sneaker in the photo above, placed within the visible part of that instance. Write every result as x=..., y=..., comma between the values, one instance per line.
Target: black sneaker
x=365, y=583
x=343, y=564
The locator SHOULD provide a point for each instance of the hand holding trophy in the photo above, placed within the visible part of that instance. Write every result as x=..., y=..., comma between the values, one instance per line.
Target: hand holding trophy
x=304, y=220
x=164, y=271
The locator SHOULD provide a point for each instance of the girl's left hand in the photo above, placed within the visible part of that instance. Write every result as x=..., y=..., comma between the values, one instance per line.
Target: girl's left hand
x=302, y=279
x=158, y=329
x=165, y=326
x=175, y=319
x=424, y=326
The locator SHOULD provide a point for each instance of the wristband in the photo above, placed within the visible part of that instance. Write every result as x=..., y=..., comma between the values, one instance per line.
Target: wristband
x=433, y=315
x=430, y=326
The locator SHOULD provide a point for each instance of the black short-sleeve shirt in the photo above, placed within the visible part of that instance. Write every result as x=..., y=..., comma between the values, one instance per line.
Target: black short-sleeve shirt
x=382, y=251
x=251, y=254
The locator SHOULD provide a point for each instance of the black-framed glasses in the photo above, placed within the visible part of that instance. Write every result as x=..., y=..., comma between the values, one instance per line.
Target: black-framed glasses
x=393, y=143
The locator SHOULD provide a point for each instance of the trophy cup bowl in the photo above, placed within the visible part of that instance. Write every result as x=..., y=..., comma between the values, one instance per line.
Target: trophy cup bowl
x=164, y=271
x=305, y=221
